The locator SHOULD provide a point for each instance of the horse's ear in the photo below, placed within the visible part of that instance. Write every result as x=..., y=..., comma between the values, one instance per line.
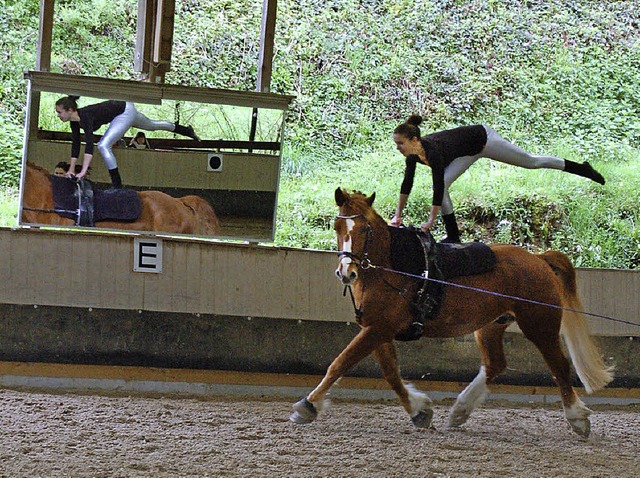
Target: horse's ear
x=370, y=199
x=341, y=197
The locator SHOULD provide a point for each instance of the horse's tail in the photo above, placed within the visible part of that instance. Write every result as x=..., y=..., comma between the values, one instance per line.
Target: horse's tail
x=205, y=216
x=585, y=355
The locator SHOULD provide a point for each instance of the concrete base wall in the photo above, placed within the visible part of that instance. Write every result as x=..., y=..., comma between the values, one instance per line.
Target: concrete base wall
x=48, y=334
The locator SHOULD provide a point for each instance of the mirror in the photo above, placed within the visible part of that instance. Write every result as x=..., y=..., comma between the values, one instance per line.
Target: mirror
x=172, y=183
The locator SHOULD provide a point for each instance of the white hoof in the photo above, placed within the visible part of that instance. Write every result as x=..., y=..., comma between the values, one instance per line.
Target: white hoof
x=423, y=418
x=578, y=417
x=458, y=416
x=470, y=399
x=581, y=426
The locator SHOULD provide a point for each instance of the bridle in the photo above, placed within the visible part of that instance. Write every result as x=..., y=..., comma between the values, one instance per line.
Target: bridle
x=363, y=262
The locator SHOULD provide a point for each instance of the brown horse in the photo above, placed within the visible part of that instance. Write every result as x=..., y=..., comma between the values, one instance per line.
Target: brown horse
x=549, y=278
x=160, y=212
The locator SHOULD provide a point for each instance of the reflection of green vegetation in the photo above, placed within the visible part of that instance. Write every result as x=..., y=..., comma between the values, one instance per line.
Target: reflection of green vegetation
x=211, y=121
x=551, y=77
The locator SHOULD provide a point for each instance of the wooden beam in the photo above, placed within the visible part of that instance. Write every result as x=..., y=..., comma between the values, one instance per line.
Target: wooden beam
x=176, y=143
x=151, y=93
x=43, y=59
x=95, y=87
x=267, y=38
x=43, y=55
x=265, y=60
x=163, y=44
x=144, y=37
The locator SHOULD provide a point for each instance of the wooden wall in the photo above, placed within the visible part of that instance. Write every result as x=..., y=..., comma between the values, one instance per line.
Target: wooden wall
x=95, y=270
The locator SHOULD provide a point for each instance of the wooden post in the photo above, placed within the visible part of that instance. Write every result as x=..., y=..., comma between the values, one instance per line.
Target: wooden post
x=267, y=36
x=43, y=60
x=144, y=37
x=163, y=43
x=154, y=38
x=265, y=61
x=43, y=55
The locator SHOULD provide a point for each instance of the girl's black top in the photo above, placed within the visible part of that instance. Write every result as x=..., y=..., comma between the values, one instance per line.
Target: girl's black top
x=91, y=118
x=442, y=148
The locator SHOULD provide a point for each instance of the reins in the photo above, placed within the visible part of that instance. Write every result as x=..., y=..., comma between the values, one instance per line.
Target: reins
x=506, y=296
x=425, y=277
x=67, y=211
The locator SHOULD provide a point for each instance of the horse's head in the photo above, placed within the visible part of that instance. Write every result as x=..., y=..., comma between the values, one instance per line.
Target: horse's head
x=360, y=231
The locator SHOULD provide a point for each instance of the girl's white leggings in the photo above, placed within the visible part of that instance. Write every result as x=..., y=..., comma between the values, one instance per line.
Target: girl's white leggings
x=119, y=126
x=499, y=149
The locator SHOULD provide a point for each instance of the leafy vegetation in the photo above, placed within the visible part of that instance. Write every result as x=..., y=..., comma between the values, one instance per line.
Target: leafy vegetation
x=553, y=76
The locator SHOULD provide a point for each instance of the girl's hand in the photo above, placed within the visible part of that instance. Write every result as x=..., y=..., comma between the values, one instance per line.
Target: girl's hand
x=426, y=226
x=396, y=221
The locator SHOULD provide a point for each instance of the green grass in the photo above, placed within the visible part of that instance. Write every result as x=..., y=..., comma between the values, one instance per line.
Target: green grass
x=538, y=209
x=8, y=206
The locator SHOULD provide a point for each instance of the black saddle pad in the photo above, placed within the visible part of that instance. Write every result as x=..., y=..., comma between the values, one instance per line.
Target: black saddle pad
x=410, y=254
x=468, y=259
x=65, y=196
x=407, y=252
x=117, y=205
x=108, y=205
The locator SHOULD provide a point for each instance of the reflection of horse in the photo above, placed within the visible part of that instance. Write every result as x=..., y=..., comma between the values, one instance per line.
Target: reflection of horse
x=160, y=212
x=383, y=297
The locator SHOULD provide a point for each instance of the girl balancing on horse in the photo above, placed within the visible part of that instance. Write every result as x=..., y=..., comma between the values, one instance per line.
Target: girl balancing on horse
x=120, y=116
x=451, y=152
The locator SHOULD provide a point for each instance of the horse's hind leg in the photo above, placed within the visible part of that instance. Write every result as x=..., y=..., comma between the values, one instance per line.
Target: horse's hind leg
x=489, y=340
x=416, y=403
x=547, y=342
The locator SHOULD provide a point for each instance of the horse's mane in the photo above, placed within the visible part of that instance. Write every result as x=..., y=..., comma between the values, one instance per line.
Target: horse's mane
x=38, y=168
x=358, y=200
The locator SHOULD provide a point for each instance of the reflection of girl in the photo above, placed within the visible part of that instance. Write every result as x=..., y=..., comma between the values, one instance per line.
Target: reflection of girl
x=120, y=116
x=139, y=141
x=450, y=153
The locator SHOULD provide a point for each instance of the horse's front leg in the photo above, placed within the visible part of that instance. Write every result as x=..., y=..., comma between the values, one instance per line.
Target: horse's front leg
x=416, y=403
x=306, y=410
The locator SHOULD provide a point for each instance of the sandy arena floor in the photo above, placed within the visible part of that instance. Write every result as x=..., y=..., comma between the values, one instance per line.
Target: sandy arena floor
x=74, y=435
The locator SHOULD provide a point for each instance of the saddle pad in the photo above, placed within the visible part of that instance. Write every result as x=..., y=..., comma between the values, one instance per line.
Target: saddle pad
x=65, y=196
x=464, y=259
x=117, y=205
x=408, y=254
x=407, y=251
